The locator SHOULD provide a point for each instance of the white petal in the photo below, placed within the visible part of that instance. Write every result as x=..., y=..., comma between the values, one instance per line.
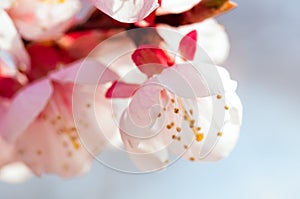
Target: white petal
x=220, y=133
x=184, y=80
x=11, y=42
x=42, y=20
x=175, y=6
x=5, y=4
x=128, y=11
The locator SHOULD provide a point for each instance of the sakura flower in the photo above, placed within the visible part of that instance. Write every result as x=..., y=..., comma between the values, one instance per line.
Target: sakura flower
x=178, y=111
x=43, y=20
x=127, y=11
x=180, y=120
x=46, y=138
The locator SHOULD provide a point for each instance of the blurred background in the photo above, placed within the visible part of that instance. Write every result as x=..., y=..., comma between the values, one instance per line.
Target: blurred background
x=265, y=60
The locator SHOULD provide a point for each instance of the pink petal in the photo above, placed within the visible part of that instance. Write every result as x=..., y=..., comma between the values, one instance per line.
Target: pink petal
x=51, y=144
x=187, y=46
x=151, y=60
x=86, y=71
x=127, y=11
x=24, y=109
x=121, y=90
x=145, y=99
x=6, y=152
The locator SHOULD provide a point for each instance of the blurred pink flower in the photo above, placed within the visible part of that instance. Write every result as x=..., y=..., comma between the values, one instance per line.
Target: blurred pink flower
x=46, y=138
x=43, y=20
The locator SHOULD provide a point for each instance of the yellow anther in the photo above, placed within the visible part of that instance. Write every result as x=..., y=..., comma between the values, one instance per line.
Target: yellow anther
x=199, y=137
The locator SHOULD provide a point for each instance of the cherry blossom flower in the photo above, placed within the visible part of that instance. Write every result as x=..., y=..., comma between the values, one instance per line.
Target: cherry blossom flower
x=173, y=112
x=46, y=137
x=43, y=20
x=175, y=126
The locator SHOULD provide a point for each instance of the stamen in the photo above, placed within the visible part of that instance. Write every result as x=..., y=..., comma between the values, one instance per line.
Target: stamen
x=199, y=137
x=39, y=152
x=70, y=154
x=192, y=159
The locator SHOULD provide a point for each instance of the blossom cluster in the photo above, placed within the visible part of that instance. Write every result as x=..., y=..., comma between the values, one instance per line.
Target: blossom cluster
x=50, y=115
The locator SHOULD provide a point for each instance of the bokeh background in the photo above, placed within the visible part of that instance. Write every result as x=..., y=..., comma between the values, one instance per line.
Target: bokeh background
x=265, y=59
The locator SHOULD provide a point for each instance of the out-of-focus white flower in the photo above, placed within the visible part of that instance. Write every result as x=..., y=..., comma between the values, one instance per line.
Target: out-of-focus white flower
x=42, y=20
x=211, y=37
